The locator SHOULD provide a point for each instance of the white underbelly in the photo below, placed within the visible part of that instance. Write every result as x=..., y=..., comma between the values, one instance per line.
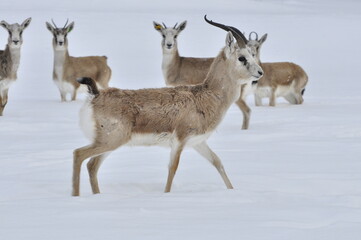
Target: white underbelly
x=282, y=91
x=164, y=139
x=263, y=92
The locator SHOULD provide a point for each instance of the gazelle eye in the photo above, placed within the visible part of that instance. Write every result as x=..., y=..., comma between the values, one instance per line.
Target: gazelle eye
x=163, y=36
x=175, y=36
x=242, y=59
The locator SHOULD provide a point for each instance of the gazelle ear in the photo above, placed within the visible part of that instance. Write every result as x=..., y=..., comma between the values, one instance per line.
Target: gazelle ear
x=4, y=24
x=263, y=39
x=49, y=27
x=182, y=26
x=70, y=27
x=26, y=23
x=157, y=26
x=230, y=44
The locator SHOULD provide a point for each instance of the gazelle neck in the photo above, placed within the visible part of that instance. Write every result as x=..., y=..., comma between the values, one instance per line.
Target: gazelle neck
x=221, y=83
x=15, y=60
x=60, y=58
x=171, y=61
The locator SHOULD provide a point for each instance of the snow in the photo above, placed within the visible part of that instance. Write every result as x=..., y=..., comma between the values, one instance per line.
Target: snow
x=296, y=171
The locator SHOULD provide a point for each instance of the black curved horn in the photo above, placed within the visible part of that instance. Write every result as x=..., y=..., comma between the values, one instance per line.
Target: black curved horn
x=237, y=34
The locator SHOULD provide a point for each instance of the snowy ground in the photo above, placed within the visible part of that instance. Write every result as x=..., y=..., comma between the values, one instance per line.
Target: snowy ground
x=296, y=171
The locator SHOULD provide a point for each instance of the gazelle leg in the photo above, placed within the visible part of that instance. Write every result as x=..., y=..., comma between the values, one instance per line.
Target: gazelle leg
x=73, y=95
x=291, y=98
x=63, y=96
x=93, y=167
x=272, y=99
x=258, y=100
x=80, y=155
x=173, y=164
x=204, y=150
x=246, y=112
x=3, y=100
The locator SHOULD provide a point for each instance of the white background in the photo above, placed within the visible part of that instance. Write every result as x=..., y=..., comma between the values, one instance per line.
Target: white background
x=296, y=171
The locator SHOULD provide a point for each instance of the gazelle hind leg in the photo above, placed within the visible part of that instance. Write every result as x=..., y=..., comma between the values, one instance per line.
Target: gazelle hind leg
x=80, y=155
x=93, y=167
x=173, y=164
x=291, y=98
x=204, y=150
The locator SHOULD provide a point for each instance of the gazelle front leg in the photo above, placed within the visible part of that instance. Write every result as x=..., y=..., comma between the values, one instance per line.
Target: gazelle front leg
x=204, y=150
x=257, y=99
x=2, y=106
x=73, y=94
x=3, y=100
x=246, y=112
x=272, y=99
x=173, y=164
x=63, y=96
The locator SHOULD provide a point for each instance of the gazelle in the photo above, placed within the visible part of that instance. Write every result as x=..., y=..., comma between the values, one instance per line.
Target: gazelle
x=10, y=58
x=175, y=117
x=67, y=69
x=179, y=71
x=280, y=79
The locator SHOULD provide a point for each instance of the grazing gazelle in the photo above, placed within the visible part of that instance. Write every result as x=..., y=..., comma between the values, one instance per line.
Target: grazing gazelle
x=10, y=58
x=179, y=71
x=175, y=117
x=280, y=79
x=67, y=69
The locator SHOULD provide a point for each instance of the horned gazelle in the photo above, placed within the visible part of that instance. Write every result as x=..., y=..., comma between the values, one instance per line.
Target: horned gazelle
x=176, y=117
x=10, y=58
x=67, y=69
x=280, y=79
x=178, y=70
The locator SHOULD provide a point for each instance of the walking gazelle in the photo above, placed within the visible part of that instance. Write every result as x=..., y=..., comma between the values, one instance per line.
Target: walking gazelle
x=176, y=117
x=179, y=70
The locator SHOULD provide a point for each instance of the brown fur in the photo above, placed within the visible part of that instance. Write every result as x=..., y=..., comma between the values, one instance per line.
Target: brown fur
x=5, y=65
x=284, y=74
x=95, y=67
x=183, y=112
x=187, y=71
x=191, y=71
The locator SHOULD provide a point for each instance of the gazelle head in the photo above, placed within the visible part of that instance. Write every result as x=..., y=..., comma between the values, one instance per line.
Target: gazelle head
x=239, y=55
x=15, y=31
x=255, y=45
x=169, y=41
x=60, y=41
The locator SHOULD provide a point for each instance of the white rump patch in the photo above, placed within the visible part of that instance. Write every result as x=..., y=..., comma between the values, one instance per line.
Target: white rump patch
x=86, y=120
